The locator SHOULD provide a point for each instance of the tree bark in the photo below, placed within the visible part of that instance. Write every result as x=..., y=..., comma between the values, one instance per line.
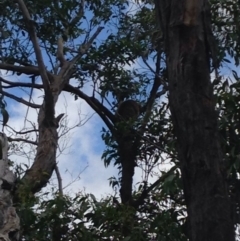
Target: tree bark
x=127, y=153
x=9, y=220
x=188, y=50
x=45, y=161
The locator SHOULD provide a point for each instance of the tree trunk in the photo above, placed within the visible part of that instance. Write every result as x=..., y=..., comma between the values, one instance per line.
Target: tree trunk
x=187, y=46
x=127, y=152
x=9, y=220
x=45, y=161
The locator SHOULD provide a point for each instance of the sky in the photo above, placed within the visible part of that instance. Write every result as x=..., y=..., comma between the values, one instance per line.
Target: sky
x=80, y=164
x=79, y=160
x=80, y=150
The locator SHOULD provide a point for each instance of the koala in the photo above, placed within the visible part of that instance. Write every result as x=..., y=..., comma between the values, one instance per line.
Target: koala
x=128, y=110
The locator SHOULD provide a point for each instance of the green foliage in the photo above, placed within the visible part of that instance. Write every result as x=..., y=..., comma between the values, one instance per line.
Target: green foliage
x=83, y=217
x=115, y=70
x=225, y=19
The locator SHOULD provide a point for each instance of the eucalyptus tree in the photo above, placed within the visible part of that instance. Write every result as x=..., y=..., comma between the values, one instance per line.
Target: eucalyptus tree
x=147, y=53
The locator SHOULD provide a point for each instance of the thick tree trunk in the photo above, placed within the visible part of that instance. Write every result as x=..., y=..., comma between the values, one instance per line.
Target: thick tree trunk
x=44, y=163
x=194, y=118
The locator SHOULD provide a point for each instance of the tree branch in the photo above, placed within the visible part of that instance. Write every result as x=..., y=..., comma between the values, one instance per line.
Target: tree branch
x=20, y=100
x=101, y=110
x=22, y=69
x=18, y=61
x=59, y=178
x=22, y=132
x=34, y=39
x=19, y=84
x=145, y=192
x=24, y=140
x=60, y=55
x=65, y=72
x=157, y=82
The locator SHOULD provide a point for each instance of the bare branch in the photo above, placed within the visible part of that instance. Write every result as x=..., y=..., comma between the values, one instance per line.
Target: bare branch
x=59, y=178
x=50, y=58
x=59, y=117
x=60, y=55
x=19, y=84
x=65, y=72
x=18, y=61
x=84, y=48
x=21, y=132
x=157, y=82
x=24, y=140
x=34, y=39
x=92, y=102
x=21, y=100
x=21, y=69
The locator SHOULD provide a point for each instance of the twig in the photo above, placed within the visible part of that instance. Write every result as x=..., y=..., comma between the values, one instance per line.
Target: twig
x=21, y=132
x=24, y=140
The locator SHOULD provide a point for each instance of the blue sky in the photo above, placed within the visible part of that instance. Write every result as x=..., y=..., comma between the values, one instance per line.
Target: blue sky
x=80, y=164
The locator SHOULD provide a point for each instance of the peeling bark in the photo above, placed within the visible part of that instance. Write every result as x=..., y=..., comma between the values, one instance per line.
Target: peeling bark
x=45, y=161
x=194, y=118
x=9, y=221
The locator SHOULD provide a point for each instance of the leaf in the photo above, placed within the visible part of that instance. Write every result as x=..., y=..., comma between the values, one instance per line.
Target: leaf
x=227, y=60
x=6, y=34
x=170, y=178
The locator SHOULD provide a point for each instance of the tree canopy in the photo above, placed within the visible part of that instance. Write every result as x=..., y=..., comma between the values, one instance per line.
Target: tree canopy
x=106, y=53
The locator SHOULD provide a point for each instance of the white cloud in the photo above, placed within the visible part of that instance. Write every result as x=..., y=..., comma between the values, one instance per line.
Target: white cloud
x=80, y=163
x=82, y=157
